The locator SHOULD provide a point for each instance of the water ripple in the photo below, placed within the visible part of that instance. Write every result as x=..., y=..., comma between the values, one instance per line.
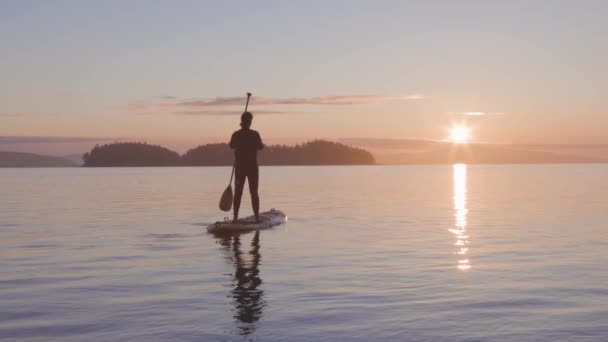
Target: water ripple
x=369, y=254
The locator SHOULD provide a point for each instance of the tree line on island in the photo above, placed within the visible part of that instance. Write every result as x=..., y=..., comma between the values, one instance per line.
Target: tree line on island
x=316, y=152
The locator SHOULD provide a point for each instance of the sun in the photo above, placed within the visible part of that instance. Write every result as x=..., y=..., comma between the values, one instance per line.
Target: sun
x=460, y=134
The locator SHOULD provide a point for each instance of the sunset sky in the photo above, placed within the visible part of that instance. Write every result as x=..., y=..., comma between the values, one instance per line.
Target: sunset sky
x=175, y=73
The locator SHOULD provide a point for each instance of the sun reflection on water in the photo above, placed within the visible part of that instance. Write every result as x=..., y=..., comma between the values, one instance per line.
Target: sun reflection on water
x=460, y=213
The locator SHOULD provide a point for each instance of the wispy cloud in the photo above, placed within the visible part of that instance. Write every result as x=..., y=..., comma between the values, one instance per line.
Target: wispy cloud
x=475, y=113
x=229, y=112
x=209, y=106
x=333, y=100
x=11, y=115
x=50, y=140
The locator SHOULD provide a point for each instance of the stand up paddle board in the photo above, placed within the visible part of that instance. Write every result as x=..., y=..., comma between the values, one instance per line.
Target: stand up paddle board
x=268, y=219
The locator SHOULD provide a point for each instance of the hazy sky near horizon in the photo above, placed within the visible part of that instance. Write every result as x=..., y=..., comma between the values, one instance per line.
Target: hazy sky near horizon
x=154, y=70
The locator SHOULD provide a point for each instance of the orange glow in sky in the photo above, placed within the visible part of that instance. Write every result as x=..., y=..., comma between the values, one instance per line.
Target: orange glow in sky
x=67, y=73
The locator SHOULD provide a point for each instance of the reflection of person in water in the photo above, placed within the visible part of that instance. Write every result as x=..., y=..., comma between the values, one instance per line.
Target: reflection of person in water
x=248, y=299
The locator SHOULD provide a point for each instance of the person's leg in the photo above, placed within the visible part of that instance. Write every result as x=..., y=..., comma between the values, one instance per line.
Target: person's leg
x=239, y=184
x=252, y=179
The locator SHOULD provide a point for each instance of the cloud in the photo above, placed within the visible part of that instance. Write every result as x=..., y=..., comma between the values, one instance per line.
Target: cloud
x=333, y=100
x=229, y=112
x=475, y=113
x=50, y=140
x=20, y=115
x=209, y=106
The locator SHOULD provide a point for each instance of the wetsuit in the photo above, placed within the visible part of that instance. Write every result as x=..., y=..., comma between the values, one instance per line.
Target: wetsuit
x=246, y=143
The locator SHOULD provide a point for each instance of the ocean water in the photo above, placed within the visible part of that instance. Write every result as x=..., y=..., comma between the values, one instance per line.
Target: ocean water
x=370, y=253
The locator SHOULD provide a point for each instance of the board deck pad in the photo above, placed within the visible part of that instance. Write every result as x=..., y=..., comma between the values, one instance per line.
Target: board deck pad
x=268, y=219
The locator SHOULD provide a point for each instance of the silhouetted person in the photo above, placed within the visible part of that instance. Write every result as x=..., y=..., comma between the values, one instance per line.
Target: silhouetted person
x=246, y=143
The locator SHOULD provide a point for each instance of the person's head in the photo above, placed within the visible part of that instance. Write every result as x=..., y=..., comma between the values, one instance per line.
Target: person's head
x=246, y=119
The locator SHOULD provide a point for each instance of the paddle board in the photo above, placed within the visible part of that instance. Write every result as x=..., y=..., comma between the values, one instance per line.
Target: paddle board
x=268, y=219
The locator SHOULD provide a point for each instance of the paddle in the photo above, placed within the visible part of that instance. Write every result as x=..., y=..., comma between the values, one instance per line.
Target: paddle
x=226, y=200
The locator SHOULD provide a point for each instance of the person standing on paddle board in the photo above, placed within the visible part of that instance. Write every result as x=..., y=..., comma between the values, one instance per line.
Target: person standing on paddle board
x=246, y=143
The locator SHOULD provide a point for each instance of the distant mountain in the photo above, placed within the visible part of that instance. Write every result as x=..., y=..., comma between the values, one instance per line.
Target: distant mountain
x=596, y=151
x=390, y=144
x=481, y=154
x=409, y=151
x=19, y=159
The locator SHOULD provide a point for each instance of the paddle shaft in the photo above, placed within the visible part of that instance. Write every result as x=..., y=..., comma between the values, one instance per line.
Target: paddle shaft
x=247, y=103
x=234, y=164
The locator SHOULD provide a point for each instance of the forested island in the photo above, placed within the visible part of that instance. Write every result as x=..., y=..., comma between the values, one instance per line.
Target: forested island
x=317, y=152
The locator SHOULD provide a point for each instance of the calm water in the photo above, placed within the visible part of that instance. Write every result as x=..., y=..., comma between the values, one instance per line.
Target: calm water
x=383, y=253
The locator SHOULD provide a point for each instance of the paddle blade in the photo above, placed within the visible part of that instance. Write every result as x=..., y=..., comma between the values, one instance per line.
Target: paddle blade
x=226, y=200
